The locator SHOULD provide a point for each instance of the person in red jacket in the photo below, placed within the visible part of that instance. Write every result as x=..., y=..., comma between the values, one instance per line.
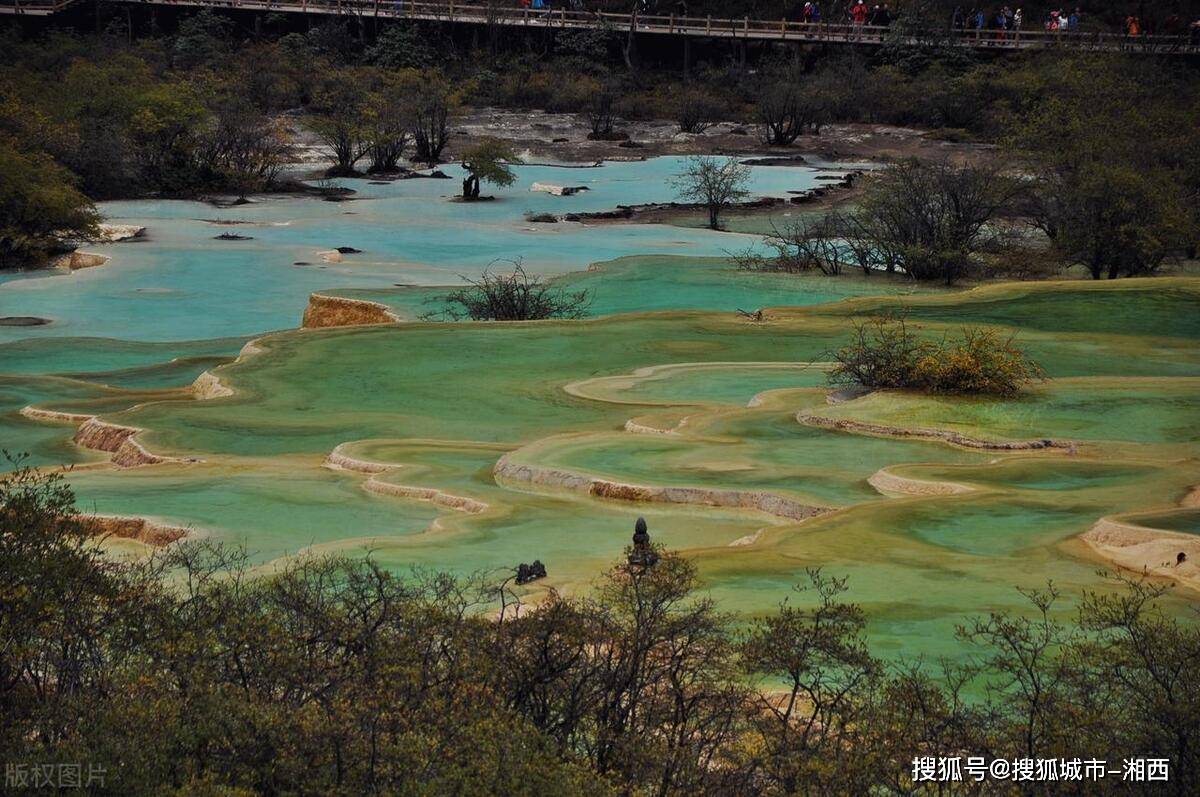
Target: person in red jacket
x=859, y=13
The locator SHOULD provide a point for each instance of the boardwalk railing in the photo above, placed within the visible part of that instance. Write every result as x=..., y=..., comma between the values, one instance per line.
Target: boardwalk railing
x=671, y=24
x=39, y=8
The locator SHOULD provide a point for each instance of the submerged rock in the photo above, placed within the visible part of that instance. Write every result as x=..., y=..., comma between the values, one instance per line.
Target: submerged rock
x=232, y=236
x=111, y=233
x=348, y=250
x=790, y=160
x=23, y=321
x=558, y=190
x=436, y=174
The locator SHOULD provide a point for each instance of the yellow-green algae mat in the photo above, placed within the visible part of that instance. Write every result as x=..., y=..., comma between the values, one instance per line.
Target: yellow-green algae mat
x=477, y=446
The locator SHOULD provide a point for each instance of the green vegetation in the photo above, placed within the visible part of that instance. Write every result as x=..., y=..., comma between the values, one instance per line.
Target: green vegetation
x=930, y=221
x=189, y=674
x=886, y=353
x=1116, y=197
x=488, y=161
x=188, y=114
x=197, y=671
x=40, y=208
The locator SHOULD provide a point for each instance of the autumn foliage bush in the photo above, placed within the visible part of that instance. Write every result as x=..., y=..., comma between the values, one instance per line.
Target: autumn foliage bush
x=886, y=353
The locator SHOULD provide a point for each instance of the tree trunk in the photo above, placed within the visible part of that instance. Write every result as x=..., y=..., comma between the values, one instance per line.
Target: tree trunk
x=627, y=52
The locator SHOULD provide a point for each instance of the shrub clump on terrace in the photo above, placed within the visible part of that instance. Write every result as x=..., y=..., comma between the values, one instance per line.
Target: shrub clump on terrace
x=886, y=353
x=512, y=296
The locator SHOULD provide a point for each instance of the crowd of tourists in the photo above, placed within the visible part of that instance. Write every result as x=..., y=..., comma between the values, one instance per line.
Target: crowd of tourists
x=1007, y=21
x=1002, y=23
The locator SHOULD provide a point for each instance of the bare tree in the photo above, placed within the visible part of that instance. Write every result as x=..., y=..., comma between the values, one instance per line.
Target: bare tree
x=696, y=110
x=432, y=101
x=243, y=148
x=600, y=113
x=713, y=183
x=388, y=125
x=789, y=104
x=339, y=107
x=819, y=657
x=806, y=244
x=938, y=216
x=778, y=113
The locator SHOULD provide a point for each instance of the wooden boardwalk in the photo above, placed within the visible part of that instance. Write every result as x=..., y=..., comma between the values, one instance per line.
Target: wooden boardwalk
x=668, y=25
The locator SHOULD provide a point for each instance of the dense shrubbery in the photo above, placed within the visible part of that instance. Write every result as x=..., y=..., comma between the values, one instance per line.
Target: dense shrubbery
x=40, y=207
x=190, y=113
x=189, y=675
x=931, y=221
x=1122, y=197
x=886, y=353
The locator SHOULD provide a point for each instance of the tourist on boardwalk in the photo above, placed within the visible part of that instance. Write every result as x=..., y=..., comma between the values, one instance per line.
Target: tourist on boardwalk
x=1073, y=21
x=958, y=20
x=858, y=13
x=1001, y=23
x=1133, y=26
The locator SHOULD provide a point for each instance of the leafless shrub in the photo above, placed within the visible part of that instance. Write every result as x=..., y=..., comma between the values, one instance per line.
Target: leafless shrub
x=510, y=296
x=806, y=244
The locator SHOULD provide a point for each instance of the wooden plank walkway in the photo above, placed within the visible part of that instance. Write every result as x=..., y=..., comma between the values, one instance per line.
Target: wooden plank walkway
x=670, y=25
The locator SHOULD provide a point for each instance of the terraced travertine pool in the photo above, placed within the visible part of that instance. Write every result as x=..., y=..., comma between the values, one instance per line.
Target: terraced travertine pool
x=473, y=447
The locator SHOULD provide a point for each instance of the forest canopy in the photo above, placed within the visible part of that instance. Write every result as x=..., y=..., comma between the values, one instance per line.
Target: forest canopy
x=186, y=674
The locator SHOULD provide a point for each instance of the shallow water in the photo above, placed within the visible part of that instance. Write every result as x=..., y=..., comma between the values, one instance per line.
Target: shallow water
x=181, y=284
x=438, y=405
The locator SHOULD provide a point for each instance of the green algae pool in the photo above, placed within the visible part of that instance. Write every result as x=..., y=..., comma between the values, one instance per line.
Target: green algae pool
x=473, y=447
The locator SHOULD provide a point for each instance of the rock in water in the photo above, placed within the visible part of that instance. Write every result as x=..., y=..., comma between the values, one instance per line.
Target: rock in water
x=530, y=572
x=558, y=190
x=22, y=321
